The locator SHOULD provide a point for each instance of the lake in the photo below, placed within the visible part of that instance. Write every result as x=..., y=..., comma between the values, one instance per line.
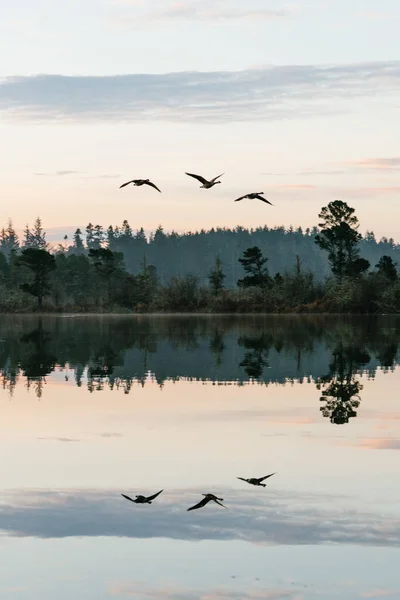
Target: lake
x=96, y=406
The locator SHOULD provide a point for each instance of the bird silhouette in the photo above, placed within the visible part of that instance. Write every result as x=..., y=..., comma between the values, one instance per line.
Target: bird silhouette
x=254, y=196
x=255, y=480
x=206, y=184
x=207, y=498
x=143, y=499
x=139, y=182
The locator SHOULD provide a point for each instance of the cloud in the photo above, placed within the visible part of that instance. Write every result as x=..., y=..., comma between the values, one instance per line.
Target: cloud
x=203, y=11
x=212, y=97
x=59, y=173
x=279, y=518
x=333, y=172
x=379, y=593
x=200, y=10
x=60, y=439
x=387, y=190
x=295, y=186
x=136, y=590
x=381, y=444
x=111, y=435
x=377, y=164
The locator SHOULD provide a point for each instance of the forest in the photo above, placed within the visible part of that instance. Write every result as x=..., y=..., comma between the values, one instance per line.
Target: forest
x=329, y=268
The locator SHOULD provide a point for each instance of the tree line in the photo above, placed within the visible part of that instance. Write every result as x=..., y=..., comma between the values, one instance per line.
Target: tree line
x=330, y=268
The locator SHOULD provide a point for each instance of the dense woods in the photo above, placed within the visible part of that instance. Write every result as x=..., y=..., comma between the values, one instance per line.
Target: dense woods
x=328, y=268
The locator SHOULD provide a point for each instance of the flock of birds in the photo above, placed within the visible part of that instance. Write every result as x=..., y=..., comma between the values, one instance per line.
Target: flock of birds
x=207, y=497
x=207, y=184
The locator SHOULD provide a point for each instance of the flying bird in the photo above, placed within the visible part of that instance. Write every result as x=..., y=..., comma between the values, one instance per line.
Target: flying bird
x=139, y=182
x=254, y=196
x=143, y=499
x=206, y=184
x=207, y=498
x=255, y=481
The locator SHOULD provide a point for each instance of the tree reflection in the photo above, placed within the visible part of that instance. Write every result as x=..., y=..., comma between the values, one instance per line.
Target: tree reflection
x=37, y=359
x=102, y=352
x=340, y=388
x=256, y=355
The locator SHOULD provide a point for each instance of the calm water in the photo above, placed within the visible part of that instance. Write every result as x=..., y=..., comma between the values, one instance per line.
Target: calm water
x=95, y=406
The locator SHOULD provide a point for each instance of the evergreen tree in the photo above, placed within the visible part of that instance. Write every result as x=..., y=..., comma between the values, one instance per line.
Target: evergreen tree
x=38, y=264
x=98, y=236
x=38, y=236
x=339, y=237
x=78, y=242
x=126, y=230
x=253, y=264
x=9, y=240
x=27, y=243
x=108, y=265
x=216, y=277
x=147, y=282
x=387, y=267
x=90, y=237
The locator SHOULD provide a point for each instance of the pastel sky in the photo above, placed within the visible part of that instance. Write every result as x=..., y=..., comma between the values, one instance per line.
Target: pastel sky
x=297, y=99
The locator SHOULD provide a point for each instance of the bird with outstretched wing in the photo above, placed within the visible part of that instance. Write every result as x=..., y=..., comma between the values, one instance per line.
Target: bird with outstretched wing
x=207, y=498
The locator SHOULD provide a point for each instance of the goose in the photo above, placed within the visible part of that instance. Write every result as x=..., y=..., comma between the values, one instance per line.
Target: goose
x=254, y=196
x=139, y=182
x=143, y=499
x=256, y=481
x=207, y=498
x=206, y=184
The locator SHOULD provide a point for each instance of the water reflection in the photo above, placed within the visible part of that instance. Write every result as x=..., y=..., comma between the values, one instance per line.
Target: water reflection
x=341, y=388
x=115, y=352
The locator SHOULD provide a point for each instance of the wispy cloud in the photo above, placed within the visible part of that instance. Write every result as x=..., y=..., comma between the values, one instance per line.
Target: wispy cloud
x=295, y=186
x=279, y=518
x=111, y=435
x=213, y=97
x=377, y=164
x=379, y=593
x=381, y=444
x=59, y=173
x=60, y=439
x=200, y=10
x=332, y=172
x=137, y=590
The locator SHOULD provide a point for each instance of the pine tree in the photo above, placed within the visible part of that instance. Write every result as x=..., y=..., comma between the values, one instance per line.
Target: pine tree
x=216, y=277
x=38, y=236
x=90, y=239
x=126, y=230
x=78, y=242
x=9, y=241
x=253, y=264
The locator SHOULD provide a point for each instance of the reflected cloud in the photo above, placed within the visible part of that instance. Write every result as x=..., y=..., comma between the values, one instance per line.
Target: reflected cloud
x=379, y=594
x=138, y=590
x=381, y=444
x=279, y=518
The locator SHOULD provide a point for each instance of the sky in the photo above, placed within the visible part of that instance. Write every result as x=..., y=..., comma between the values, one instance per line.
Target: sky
x=297, y=99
